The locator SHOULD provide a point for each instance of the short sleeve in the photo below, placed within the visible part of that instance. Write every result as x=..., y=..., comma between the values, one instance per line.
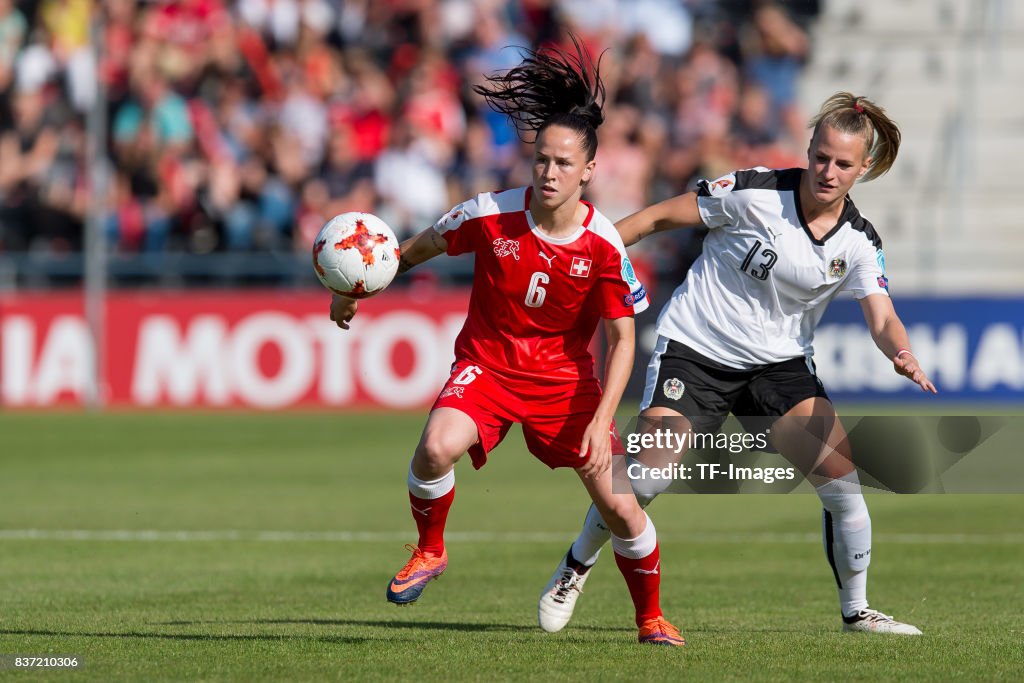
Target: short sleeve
x=620, y=293
x=716, y=201
x=867, y=272
x=458, y=228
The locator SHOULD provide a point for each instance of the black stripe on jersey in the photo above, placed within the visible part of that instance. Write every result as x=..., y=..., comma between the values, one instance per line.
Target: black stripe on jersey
x=861, y=224
x=780, y=180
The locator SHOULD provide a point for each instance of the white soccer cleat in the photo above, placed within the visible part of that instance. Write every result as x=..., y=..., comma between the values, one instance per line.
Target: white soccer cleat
x=873, y=621
x=559, y=597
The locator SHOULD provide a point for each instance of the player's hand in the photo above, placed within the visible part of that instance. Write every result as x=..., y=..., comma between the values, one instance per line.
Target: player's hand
x=908, y=366
x=343, y=309
x=598, y=445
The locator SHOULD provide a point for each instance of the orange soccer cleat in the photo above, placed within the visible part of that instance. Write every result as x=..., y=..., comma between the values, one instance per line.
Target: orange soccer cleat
x=409, y=583
x=658, y=631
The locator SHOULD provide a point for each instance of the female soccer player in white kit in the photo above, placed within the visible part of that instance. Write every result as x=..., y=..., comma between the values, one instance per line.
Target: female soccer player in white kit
x=737, y=334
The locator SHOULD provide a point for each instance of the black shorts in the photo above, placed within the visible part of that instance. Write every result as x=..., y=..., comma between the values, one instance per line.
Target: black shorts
x=705, y=391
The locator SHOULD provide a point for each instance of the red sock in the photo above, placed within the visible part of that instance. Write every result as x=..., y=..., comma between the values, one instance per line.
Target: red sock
x=430, y=515
x=643, y=577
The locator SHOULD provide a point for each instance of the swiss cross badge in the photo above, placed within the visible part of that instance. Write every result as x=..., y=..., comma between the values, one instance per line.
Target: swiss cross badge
x=580, y=267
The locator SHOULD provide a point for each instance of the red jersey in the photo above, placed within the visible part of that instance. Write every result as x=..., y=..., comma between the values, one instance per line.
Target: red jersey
x=536, y=300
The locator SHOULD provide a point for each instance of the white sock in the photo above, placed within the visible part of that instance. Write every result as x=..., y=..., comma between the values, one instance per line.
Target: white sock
x=846, y=532
x=595, y=532
x=429, y=490
x=592, y=538
x=639, y=547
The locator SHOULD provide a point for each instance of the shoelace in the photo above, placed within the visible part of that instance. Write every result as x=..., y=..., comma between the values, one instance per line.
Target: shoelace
x=567, y=583
x=874, y=615
x=413, y=565
x=667, y=629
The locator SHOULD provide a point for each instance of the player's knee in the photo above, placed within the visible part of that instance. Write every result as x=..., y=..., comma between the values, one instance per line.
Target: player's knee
x=645, y=486
x=437, y=453
x=835, y=462
x=624, y=516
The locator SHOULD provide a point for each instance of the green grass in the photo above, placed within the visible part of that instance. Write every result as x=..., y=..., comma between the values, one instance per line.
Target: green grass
x=745, y=576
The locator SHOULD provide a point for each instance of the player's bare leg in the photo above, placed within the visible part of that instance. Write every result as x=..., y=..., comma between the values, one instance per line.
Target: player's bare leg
x=558, y=599
x=635, y=543
x=449, y=433
x=811, y=436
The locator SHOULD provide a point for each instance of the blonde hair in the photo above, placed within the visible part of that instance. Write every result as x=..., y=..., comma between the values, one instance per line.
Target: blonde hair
x=855, y=115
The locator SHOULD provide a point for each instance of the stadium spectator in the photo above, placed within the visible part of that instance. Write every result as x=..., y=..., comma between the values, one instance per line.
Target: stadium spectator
x=626, y=168
x=28, y=152
x=475, y=170
x=774, y=51
x=183, y=33
x=119, y=40
x=13, y=29
x=68, y=23
x=152, y=136
x=408, y=175
x=349, y=179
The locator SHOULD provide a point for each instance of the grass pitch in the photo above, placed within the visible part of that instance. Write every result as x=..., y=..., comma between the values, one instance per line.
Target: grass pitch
x=258, y=547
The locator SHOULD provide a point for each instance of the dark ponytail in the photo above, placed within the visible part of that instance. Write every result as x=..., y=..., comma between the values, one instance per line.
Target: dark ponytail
x=551, y=87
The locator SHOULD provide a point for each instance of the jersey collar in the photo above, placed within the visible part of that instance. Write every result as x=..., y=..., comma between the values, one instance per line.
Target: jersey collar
x=849, y=211
x=556, y=240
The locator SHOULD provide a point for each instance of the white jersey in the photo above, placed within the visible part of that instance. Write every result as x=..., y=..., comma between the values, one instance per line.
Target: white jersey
x=762, y=283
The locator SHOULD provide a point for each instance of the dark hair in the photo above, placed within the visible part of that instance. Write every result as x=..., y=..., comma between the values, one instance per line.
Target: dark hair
x=551, y=87
x=855, y=115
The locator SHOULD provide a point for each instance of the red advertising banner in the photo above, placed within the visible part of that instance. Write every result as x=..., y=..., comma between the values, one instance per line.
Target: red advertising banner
x=253, y=349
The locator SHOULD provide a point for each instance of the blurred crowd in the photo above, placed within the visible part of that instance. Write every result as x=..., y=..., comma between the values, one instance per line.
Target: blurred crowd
x=243, y=126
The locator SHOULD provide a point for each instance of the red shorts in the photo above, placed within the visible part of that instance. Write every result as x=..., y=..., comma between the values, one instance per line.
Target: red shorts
x=554, y=416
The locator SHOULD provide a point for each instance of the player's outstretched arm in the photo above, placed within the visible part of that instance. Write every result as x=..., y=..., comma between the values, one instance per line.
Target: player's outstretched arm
x=416, y=250
x=421, y=248
x=891, y=338
x=677, y=212
x=621, y=335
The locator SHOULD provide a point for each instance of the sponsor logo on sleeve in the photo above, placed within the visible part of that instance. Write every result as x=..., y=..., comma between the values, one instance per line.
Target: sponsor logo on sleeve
x=883, y=282
x=635, y=297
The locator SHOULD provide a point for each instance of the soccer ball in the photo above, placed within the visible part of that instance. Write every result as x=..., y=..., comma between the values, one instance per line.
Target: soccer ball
x=355, y=255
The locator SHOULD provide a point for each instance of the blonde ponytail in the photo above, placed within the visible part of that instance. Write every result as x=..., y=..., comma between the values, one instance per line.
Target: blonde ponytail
x=854, y=115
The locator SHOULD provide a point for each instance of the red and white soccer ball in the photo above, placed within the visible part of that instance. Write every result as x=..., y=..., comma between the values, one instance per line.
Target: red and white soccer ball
x=355, y=255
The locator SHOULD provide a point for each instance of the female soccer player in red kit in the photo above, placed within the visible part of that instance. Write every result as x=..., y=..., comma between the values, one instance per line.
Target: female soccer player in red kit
x=548, y=267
